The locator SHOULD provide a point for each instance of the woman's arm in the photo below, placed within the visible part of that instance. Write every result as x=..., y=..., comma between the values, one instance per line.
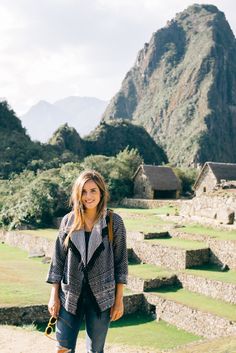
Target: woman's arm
x=117, y=309
x=54, y=301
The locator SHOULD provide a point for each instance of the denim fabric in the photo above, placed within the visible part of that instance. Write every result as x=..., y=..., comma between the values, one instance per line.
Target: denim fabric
x=68, y=326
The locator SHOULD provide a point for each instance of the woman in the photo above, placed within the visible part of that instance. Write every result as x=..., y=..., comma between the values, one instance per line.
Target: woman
x=88, y=270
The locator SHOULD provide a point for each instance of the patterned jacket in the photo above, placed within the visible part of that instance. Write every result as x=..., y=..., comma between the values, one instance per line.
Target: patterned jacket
x=107, y=262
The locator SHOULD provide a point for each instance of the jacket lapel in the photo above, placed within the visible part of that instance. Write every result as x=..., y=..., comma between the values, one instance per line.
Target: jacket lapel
x=95, y=239
x=78, y=239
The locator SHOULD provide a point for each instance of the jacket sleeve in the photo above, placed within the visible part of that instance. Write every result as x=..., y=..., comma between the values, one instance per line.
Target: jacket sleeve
x=56, y=268
x=120, y=250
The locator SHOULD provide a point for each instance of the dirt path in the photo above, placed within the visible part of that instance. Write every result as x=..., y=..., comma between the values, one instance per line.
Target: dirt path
x=18, y=340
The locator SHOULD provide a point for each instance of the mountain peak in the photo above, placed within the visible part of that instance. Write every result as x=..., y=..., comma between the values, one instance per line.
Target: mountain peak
x=181, y=88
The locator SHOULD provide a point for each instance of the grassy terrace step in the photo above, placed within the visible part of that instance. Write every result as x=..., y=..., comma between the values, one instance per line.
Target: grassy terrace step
x=211, y=281
x=147, y=271
x=178, y=243
x=22, y=280
x=213, y=272
x=201, y=230
x=197, y=301
x=194, y=312
x=171, y=253
x=144, y=277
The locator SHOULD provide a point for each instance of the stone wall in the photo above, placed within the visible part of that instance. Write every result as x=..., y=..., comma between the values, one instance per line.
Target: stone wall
x=215, y=206
x=170, y=257
x=223, y=252
x=145, y=203
x=207, y=182
x=190, y=319
x=142, y=285
x=142, y=186
x=26, y=315
x=212, y=288
x=35, y=245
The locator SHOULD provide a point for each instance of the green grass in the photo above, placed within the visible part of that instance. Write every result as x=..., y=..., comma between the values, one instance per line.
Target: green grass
x=217, y=345
x=179, y=243
x=198, y=301
x=213, y=272
x=139, y=330
x=159, y=210
x=148, y=220
x=146, y=271
x=22, y=280
x=211, y=232
x=143, y=220
x=49, y=233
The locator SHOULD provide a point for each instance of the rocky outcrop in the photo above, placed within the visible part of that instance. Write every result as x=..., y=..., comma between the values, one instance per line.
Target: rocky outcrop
x=182, y=88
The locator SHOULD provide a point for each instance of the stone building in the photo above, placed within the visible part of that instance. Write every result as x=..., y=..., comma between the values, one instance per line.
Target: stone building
x=215, y=176
x=155, y=182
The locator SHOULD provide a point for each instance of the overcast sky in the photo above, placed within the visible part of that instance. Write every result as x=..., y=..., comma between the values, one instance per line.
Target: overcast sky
x=51, y=49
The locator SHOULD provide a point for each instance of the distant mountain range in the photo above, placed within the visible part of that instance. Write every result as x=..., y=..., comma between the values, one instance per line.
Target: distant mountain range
x=182, y=88
x=44, y=118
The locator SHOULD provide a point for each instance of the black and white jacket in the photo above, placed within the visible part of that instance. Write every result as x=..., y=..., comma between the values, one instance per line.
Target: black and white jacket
x=107, y=262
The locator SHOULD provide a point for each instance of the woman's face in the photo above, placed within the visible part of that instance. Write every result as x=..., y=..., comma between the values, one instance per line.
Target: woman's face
x=91, y=195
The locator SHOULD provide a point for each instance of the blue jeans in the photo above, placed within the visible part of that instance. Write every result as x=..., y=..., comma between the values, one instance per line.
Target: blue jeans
x=68, y=326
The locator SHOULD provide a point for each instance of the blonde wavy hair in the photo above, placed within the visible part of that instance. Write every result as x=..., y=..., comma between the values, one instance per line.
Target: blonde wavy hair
x=76, y=199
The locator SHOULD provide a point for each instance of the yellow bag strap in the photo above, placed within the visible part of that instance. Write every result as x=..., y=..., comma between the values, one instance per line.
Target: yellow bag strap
x=110, y=228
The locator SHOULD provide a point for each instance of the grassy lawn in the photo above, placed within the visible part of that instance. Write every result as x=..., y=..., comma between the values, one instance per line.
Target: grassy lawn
x=22, y=280
x=144, y=220
x=146, y=271
x=217, y=345
x=198, y=301
x=140, y=330
x=211, y=232
x=212, y=271
x=179, y=243
x=148, y=220
x=160, y=210
x=49, y=233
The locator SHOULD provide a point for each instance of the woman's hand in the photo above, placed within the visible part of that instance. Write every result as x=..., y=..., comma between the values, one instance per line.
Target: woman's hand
x=54, y=303
x=117, y=310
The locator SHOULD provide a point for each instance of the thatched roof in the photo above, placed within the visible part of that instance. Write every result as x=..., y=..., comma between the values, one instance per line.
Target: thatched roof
x=160, y=178
x=221, y=171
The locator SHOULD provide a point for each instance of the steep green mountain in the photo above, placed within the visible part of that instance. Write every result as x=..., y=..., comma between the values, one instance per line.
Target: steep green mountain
x=16, y=148
x=111, y=137
x=18, y=152
x=67, y=138
x=182, y=88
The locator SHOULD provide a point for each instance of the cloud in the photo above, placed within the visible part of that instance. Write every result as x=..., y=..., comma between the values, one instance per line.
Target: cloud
x=55, y=48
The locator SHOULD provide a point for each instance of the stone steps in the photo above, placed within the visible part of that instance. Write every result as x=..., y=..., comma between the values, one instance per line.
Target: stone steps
x=139, y=236
x=144, y=277
x=218, y=287
x=175, y=255
x=193, y=312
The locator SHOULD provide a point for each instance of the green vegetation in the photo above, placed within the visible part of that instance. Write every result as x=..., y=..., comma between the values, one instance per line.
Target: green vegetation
x=213, y=272
x=34, y=200
x=144, y=220
x=218, y=345
x=138, y=330
x=179, y=243
x=22, y=280
x=211, y=232
x=198, y=301
x=147, y=271
x=110, y=138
